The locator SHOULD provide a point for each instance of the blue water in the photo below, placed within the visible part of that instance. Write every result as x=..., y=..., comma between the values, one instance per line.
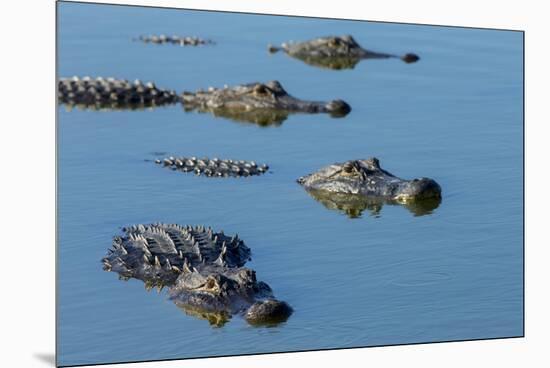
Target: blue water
x=455, y=116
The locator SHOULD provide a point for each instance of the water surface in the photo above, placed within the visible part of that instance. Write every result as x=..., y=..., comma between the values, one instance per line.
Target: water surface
x=385, y=278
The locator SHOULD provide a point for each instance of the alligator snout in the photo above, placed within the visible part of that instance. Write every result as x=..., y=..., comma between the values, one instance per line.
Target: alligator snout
x=417, y=189
x=270, y=311
x=338, y=108
x=410, y=58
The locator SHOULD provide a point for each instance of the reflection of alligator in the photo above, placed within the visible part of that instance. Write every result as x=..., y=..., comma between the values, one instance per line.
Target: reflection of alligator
x=110, y=93
x=365, y=178
x=257, y=103
x=353, y=205
x=175, y=40
x=203, y=270
x=214, y=167
x=338, y=52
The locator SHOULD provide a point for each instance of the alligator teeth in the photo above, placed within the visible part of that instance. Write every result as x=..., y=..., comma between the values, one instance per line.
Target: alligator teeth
x=175, y=269
x=157, y=261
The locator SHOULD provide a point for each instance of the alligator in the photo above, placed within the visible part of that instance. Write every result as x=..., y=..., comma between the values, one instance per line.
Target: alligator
x=261, y=103
x=334, y=52
x=214, y=167
x=175, y=40
x=347, y=181
x=110, y=93
x=203, y=270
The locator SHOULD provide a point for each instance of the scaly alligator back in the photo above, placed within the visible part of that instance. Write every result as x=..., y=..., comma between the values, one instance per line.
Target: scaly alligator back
x=109, y=93
x=214, y=167
x=175, y=40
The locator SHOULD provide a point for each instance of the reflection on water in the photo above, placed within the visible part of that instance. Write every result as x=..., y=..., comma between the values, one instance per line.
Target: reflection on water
x=215, y=319
x=347, y=62
x=353, y=205
x=262, y=118
x=335, y=63
x=109, y=107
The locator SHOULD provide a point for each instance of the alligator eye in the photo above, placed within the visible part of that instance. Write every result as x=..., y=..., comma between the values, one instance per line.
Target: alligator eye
x=210, y=284
x=348, y=167
x=260, y=89
x=333, y=42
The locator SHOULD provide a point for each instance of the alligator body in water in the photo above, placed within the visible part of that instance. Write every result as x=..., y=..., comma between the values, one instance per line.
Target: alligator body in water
x=214, y=167
x=109, y=93
x=260, y=103
x=335, y=52
x=355, y=185
x=203, y=270
x=175, y=40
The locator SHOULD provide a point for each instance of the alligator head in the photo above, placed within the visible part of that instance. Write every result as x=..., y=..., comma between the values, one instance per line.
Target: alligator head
x=365, y=178
x=221, y=292
x=259, y=103
x=202, y=269
x=334, y=52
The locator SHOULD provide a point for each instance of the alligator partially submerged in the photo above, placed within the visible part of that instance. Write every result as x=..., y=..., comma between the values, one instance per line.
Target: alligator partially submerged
x=214, y=167
x=334, y=52
x=203, y=270
x=175, y=40
x=262, y=103
x=110, y=93
x=346, y=182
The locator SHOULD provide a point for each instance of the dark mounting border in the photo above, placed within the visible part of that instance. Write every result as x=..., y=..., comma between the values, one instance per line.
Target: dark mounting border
x=273, y=352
